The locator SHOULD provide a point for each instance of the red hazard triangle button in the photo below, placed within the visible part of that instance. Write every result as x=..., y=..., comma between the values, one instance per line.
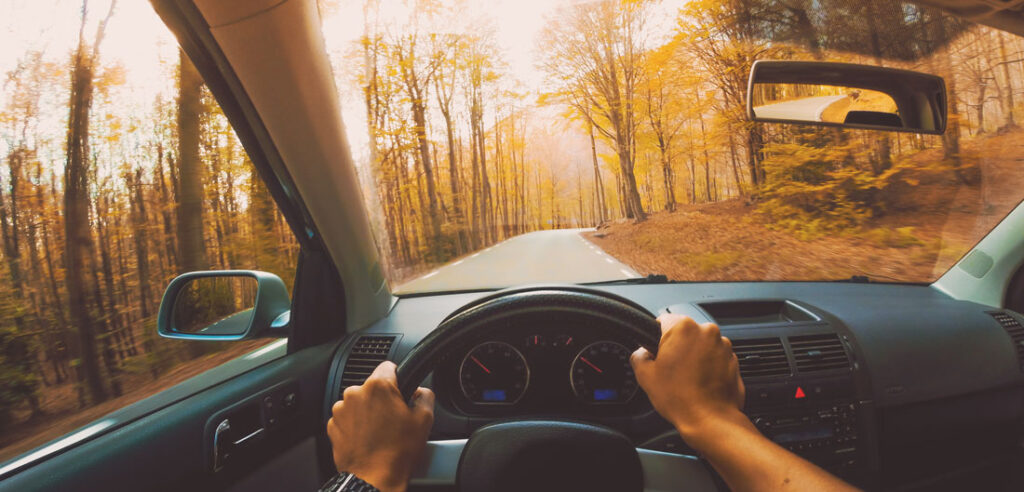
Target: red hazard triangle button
x=799, y=393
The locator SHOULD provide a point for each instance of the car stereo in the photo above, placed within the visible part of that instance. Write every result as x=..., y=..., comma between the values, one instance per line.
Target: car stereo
x=814, y=418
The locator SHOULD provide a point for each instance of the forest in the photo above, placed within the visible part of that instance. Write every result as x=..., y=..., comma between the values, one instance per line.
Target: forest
x=102, y=203
x=111, y=184
x=459, y=149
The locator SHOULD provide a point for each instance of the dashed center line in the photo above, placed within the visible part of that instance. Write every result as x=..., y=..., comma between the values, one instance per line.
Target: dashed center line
x=626, y=273
x=431, y=274
x=609, y=260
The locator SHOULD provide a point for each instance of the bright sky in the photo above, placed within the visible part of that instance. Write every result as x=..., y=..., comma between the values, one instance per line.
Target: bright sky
x=517, y=25
x=135, y=36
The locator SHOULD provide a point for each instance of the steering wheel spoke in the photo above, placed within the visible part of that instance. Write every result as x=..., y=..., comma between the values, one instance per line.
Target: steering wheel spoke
x=662, y=471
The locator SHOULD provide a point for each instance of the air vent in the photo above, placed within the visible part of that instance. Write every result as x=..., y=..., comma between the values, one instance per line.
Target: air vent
x=761, y=357
x=365, y=356
x=818, y=353
x=1016, y=331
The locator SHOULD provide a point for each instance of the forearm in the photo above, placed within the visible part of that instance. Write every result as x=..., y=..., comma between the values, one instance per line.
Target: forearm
x=748, y=461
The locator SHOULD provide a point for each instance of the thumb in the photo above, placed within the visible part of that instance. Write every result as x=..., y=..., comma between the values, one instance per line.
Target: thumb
x=423, y=400
x=642, y=361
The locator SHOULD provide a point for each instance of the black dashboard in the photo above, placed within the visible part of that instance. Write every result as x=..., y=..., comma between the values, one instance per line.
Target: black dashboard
x=882, y=384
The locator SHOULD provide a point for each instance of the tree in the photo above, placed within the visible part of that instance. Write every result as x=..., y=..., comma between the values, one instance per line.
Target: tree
x=595, y=57
x=79, y=244
x=191, y=243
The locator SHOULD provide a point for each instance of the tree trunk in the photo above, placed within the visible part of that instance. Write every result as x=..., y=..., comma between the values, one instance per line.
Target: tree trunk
x=191, y=245
x=1010, y=121
x=598, y=182
x=78, y=238
x=191, y=241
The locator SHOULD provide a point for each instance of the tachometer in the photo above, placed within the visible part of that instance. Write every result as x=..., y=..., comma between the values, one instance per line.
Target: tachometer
x=601, y=373
x=494, y=373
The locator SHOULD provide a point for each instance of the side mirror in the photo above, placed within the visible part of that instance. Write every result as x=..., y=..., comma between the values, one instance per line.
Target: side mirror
x=225, y=305
x=846, y=95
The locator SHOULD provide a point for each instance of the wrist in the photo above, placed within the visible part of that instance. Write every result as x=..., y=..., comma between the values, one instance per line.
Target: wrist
x=703, y=430
x=383, y=480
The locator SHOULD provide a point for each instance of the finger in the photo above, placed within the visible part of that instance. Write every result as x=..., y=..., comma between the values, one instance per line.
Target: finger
x=641, y=359
x=727, y=343
x=667, y=321
x=423, y=399
x=332, y=430
x=385, y=371
x=347, y=395
x=336, y=408
x=741, y=391
x=711, y=330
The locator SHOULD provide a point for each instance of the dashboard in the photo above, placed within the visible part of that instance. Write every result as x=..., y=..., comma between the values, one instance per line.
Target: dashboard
x=562, y=368
x=884, y=385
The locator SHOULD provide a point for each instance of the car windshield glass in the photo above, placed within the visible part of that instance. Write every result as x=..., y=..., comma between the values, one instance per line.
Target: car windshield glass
x=514, y=141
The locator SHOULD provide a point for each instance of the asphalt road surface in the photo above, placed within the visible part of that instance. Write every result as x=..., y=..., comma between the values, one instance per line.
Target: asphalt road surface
x=559, y=256
x=806, y=109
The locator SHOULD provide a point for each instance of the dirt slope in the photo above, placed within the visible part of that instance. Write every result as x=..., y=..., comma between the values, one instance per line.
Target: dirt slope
x=934, y=222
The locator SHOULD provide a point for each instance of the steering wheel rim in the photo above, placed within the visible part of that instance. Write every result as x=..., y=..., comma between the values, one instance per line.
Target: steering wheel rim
x=479, y=316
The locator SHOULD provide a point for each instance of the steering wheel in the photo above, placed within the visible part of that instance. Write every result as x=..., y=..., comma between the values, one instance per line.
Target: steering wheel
x=544, y=454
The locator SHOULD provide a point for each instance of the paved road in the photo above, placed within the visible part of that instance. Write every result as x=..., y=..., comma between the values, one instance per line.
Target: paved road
x=806, y=109
x=535, y=257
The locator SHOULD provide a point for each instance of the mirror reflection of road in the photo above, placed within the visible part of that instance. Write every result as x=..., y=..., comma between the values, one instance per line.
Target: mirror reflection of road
x=230, y=325
x=559, y=256
x=806, y=109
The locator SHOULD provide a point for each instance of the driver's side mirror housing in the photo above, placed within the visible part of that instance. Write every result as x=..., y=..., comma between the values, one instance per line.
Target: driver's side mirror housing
x=225, y=305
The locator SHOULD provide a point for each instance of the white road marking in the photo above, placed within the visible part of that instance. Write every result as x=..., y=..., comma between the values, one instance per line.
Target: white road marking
x=431, y=274
x=475, y=255
x=457, y=262
x=609, y=260
x=628, y=274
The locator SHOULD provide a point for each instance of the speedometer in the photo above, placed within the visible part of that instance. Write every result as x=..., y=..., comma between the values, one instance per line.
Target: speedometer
x=601, y=373
x=494, y=373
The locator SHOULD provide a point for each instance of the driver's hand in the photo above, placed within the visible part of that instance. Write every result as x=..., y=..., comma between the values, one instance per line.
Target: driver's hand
x=376, y=435
x=695, y=377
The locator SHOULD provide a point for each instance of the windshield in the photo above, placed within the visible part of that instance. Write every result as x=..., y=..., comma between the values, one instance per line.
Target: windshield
x=513, y=141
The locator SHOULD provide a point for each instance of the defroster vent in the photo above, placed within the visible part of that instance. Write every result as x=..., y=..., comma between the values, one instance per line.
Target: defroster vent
x=818, y=353
x=368, y=352
x=1016, y=332
x=761, y=357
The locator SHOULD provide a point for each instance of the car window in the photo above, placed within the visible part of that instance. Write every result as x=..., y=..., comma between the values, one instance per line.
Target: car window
x=118, y=171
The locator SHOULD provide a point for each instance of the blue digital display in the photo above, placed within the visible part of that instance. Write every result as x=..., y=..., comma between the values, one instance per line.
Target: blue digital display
x=494, y=395
x=605, y=394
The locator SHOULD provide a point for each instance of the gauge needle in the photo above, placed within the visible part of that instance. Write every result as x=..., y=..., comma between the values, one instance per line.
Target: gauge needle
x=481, y=364
x=591, y=364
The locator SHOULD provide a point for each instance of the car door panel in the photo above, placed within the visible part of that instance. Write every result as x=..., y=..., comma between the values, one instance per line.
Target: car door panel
x=169, y=449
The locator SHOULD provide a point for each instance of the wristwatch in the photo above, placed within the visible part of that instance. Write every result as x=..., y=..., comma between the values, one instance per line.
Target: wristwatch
x=347, y=482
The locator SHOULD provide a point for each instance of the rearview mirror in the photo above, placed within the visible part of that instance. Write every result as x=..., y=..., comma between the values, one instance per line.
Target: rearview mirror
x=846, y=95
x=225, y=305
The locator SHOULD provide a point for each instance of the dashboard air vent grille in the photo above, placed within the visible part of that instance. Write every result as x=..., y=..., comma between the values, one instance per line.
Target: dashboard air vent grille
x=761, y=357
x=368, y=352
x=819, y=353
x=1016, y=332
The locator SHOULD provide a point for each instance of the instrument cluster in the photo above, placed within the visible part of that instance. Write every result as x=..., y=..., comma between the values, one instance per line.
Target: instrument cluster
x=543, y=373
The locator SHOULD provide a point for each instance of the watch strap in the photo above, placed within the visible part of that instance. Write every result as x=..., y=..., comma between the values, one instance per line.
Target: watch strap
x=347, y=482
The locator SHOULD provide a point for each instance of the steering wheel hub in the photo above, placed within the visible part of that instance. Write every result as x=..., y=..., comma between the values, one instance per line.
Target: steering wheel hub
x=543, y=455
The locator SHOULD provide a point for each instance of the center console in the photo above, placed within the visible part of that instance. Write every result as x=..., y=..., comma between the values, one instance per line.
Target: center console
x=824, y=430
x=803, y=380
